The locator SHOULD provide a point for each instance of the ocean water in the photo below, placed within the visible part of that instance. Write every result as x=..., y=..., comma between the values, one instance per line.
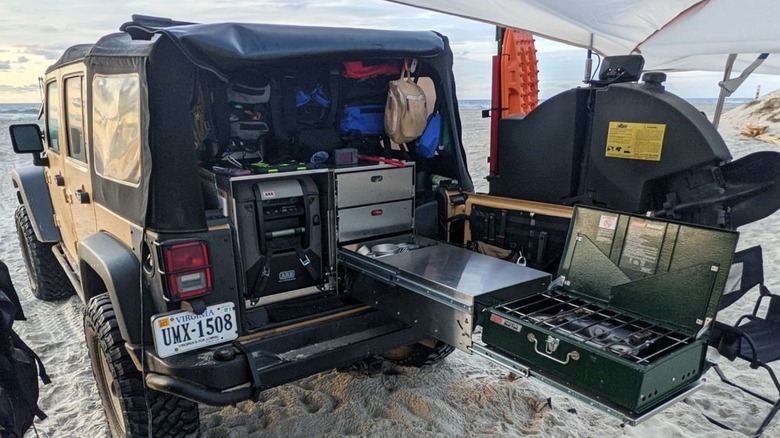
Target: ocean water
x=25, y=112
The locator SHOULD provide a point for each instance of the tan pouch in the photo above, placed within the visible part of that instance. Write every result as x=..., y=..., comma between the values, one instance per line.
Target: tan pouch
x=406, y=110
x=495, y=251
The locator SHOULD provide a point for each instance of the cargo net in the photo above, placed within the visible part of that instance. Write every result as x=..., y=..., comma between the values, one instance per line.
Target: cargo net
x=609, y=330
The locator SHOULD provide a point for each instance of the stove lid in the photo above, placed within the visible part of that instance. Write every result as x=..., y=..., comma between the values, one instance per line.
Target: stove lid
x=661, y=270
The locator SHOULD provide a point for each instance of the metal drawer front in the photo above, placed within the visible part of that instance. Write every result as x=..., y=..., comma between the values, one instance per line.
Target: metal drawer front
x=374, y=220
x=371, y=187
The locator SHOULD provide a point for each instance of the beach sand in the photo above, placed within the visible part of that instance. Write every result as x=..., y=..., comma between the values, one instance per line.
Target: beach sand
x=465, y=396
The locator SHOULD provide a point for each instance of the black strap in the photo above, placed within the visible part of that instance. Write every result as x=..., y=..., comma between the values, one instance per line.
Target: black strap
x=501, y=233
x=289, y=109
x=387, y=146
x=20, y=344
x=265, y=270
x=491, y=228
x=333, y=88
x=542, y=247
x=265, y=274
x=306, y=262
x=277, y=114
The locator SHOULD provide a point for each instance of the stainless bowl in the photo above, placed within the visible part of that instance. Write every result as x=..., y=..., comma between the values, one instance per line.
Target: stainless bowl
x=385, y=249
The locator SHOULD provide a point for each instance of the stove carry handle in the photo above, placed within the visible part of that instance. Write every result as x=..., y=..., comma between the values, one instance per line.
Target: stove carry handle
x=550, y=345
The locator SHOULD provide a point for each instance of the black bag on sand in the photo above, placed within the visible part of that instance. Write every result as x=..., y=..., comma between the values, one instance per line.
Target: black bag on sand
x=19, y=367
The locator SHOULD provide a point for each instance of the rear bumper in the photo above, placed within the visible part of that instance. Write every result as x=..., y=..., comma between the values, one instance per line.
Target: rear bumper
x=195, y=392
x=273, y=360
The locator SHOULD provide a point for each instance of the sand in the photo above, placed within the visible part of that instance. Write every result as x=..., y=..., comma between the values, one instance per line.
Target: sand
x=465, y=396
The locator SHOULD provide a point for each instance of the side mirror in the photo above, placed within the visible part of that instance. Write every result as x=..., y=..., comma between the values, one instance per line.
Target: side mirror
x=26, y=138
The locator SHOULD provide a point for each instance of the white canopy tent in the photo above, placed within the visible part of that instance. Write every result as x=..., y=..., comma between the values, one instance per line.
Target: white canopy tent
x=672, y=35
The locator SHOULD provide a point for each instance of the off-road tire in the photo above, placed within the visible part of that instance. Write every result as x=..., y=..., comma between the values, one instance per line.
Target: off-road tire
x=48, y=281
x=419, y=355
x=127, y=403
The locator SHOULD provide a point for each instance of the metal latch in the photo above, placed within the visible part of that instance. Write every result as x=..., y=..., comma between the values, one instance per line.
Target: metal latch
x=82, y=196
x=550, y=346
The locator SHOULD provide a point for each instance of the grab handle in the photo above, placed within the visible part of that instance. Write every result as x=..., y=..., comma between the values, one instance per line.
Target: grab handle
x=550, y=346
x=284, y=233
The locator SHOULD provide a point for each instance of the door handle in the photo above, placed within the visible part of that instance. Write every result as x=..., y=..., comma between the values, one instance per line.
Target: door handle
x=82, y=196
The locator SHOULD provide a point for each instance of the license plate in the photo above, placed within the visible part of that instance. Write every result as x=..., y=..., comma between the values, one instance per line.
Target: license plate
x=179, y=332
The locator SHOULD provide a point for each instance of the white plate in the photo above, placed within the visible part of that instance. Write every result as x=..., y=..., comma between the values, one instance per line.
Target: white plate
x=179, y=332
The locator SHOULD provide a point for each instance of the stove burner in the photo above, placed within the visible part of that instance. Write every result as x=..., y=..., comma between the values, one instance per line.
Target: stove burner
x=592, y=324
x=598, y=332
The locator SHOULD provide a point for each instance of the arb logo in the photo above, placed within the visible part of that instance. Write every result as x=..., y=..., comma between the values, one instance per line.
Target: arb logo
x=287, y=275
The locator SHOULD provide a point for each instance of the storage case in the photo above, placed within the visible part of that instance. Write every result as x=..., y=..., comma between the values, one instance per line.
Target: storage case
x=626, y=321
x=374, y=201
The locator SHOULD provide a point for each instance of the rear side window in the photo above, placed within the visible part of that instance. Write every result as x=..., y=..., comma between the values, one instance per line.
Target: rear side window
x=74, y=119
x=52, y=116
x=116, y=127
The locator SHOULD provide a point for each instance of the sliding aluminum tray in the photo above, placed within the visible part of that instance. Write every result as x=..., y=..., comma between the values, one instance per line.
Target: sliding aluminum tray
x=436, y=286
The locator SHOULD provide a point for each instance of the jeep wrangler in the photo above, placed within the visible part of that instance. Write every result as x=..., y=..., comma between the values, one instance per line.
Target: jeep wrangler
x=187, y=193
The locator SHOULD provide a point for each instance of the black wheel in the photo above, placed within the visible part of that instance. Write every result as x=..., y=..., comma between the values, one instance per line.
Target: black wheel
x=420, y=355
x=128, y=404
x=48, y=281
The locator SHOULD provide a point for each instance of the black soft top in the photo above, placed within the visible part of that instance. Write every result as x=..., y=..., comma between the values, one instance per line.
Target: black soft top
x=226, y=47
x=71, y=54
x=231, y=44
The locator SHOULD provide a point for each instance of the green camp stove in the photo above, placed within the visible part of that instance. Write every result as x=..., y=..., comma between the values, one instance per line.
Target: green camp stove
x=625, y=323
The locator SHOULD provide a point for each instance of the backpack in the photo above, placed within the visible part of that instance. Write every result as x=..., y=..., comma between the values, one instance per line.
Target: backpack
x=406, y=110
x=19, y=367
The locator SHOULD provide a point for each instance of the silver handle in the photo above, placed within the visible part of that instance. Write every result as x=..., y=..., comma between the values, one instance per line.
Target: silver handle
x=284, y=233
x=574, y=355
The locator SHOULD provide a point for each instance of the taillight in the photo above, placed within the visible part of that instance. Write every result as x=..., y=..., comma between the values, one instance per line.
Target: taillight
x=187, y=270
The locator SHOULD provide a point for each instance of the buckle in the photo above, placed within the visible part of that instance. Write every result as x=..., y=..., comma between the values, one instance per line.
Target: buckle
x=305, y=260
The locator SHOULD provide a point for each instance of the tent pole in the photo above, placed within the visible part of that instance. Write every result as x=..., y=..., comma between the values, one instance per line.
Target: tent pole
x=723, y=92
x=729, y=85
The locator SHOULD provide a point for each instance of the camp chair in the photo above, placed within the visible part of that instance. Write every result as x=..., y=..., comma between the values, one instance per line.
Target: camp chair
x=752, y=338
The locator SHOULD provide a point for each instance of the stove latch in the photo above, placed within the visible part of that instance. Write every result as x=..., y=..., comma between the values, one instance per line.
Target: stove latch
x=550, y=346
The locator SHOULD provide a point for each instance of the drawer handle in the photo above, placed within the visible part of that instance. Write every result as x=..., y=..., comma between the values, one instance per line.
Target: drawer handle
x=550, y=346
x=376, y=178
x=377, y=212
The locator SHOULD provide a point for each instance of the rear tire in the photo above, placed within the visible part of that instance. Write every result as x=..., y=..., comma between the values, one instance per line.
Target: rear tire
x=419, y=355
x=48, y=281
x=127, y=403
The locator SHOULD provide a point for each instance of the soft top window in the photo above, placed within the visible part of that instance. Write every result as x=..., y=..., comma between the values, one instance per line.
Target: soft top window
x=116, y=105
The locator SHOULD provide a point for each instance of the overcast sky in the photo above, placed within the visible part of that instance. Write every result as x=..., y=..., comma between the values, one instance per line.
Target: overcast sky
x=33, y=33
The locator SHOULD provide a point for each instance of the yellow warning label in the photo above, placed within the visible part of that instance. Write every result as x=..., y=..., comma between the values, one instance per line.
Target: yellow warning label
x=635, y=141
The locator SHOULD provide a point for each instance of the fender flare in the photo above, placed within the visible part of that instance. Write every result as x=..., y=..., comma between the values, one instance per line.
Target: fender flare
x=119, y=268
x=34, y=194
